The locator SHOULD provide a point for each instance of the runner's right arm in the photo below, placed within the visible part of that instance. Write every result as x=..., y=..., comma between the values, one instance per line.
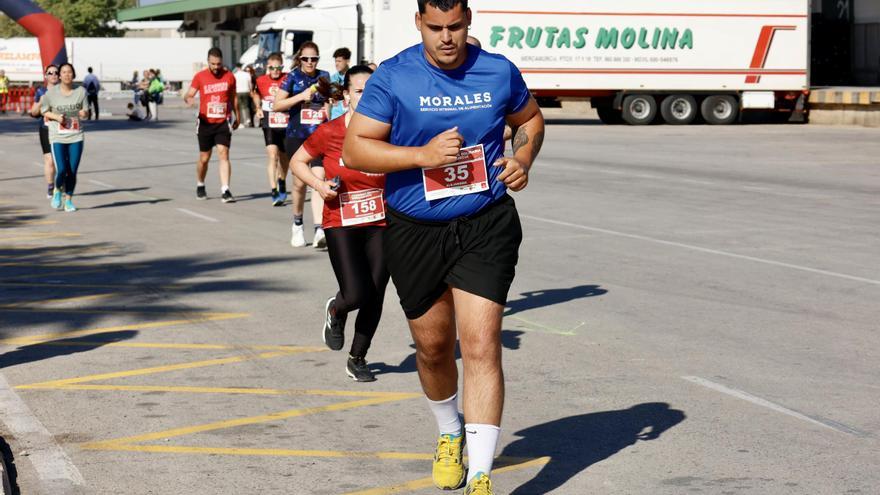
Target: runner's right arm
x=367, y=148
x=283, y=103
x=190, y=96
x=299, y=165
x=258, y=102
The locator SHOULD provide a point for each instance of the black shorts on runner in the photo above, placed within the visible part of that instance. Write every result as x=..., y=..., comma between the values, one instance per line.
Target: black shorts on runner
x=44, y=140
x=292, y=143
x=274, y=136
x=211, y=135
x=476, y=254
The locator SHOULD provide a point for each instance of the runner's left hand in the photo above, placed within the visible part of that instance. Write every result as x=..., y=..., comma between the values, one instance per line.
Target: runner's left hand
x=515, y=175
x=83, y=114
x=324, y=190
x=235, y=124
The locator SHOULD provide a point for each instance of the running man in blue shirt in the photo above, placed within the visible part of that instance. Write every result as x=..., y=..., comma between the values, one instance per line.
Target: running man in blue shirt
x=432, y=118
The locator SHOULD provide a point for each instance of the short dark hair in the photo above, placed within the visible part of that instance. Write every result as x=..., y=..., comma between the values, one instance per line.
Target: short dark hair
x=67, y=64
x=444, y=5
x=90, y=70
x=215, y=52
x=357, y=69
x=342, y=52
x=275, y=56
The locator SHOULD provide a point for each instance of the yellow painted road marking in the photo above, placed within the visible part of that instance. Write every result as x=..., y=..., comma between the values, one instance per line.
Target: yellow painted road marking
x=200, y=347
x=428, y=482
x=230, y=390
x=46, y=337
x=34, y=222
x=40, y=236
x=157, y=369
x=19, y=211
x=62, y=300
x=64, y=285
x=175, y=449
x=232, y=423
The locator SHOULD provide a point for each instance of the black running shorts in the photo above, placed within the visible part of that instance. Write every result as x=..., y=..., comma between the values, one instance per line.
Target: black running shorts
x=44, y=140
x=211, y=135
x=274, y=136
x=476, y=254
x=292, y=143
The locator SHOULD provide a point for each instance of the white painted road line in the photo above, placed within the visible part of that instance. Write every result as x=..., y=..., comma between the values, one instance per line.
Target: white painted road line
x=706, y=250
x=197, y=215
x=102, y=184
x=739, y=394
x=55, y=470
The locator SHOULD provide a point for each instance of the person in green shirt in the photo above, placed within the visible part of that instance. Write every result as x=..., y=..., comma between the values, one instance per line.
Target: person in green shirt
x=64, y=106
x=4, y=91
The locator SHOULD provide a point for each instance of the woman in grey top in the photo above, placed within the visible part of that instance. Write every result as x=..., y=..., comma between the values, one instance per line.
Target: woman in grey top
x=64, y=106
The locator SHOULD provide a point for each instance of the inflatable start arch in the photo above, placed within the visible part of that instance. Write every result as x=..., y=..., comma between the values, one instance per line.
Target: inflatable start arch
x=48, y=30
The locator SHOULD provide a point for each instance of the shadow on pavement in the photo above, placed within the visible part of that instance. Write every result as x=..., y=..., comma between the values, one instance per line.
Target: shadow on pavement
x=510, y=339
x=16, y=216
x=553, y=121
x=63, y=347
x=113, y=191
x=35, y=280
x=542, y=298
x=577, y=442
x=116, y=204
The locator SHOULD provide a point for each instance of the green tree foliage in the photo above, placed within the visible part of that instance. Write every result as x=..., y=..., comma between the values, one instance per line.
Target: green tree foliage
x=81, y=18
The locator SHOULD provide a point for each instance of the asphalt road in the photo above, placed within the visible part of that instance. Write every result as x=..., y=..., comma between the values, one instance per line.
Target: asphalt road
x=695, y=311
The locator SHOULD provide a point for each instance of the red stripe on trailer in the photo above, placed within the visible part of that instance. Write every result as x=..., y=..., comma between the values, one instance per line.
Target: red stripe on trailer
x=762, y=49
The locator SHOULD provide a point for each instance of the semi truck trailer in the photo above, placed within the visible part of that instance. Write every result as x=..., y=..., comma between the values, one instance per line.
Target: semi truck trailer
x=638, y=61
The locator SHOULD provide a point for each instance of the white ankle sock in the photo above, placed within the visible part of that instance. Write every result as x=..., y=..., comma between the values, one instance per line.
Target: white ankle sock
x=481, y=443
x=446, y=413
x=224, y=189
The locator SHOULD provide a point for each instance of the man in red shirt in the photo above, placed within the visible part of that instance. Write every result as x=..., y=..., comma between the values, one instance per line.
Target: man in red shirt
x=216, y=86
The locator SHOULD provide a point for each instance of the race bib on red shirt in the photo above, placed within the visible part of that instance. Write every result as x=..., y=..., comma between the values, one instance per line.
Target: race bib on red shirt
x=466, y=176
x=278, y=120
x=359, y=207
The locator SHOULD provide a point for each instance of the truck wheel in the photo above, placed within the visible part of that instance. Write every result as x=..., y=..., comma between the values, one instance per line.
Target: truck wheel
x=639, y=109
x=609, y=116
x=720, y=109
x=679, y=109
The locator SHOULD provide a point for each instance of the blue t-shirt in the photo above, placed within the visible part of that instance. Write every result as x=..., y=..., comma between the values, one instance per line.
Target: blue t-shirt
x=37, y=95
x=297, y=82
x=421, y=101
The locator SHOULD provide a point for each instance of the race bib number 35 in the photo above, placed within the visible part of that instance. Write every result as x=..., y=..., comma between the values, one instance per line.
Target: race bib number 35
x=466, y=176
x=359, y=207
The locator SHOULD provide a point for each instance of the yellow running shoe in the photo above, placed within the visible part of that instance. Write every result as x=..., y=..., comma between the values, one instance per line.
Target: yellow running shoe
x=479, y=485
x=448, y=469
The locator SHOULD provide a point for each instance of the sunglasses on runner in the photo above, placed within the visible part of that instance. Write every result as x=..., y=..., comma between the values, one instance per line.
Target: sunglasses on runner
x=274, y=67
x=52, y=73
x=309, y=59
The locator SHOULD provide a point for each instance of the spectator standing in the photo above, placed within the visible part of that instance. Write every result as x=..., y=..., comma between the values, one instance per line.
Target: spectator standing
x=92, y=85
x=243, y=87
x=342, y=58
x=155, y=93
x=4, y=91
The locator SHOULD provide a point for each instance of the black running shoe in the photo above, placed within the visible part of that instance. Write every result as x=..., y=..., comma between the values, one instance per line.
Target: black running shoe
x=334, y=328
x=357, y=369
x=201, y=193
x=228, y=197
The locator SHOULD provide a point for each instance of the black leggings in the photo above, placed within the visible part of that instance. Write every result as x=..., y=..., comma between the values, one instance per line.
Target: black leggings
x=356, y=256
